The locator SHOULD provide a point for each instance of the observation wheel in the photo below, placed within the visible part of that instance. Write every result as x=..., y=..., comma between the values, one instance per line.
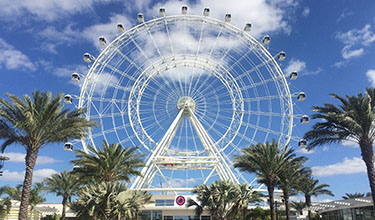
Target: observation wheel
x=190, y=92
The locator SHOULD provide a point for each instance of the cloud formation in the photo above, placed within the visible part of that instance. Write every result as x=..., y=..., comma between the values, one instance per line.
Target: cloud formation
x=46, y=9
x=13, y=59
x=347, y=166
x=20, y=158
x=371, y=76
x=15, y=176
x=355, y=41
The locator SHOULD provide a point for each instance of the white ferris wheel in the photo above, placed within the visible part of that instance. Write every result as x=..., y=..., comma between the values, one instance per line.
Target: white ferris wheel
x=190, y=92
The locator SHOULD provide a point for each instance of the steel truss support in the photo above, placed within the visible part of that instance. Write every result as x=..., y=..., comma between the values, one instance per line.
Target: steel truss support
x=158, y=161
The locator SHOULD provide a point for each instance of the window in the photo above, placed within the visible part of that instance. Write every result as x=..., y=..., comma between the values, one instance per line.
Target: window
x=164, y=202
x=145, y=215
x=205, y=217
x=156, y=216
x=168, y=218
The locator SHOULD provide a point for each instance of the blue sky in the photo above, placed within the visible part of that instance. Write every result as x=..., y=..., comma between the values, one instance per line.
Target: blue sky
x=330, y=43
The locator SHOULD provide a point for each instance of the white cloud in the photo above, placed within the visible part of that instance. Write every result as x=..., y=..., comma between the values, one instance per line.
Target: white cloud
x=295, y=65
x=67, y=71
x=348, y=166
x=371, y=76
x=45, y=9
x=20, y=158
x=15, y=176
x=306, y=12
x=355, y=41
x=304, y=151
x=313, y=199
x=347, y=53
x=108, y=30
x=344, y=14
x=265, y=16
x=13, y=59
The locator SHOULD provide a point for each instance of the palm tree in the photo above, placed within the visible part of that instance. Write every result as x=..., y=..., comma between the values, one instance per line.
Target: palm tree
x=5, y=206
x=298, y=206
x=310, y=187
x=63, y=184
x=218, y=199
x=131, y=202
x=353, y=195
x=35, y=197
x=99, y=201
x=267, y=161
x=35, y=122
x=112, y=163
x=289, y=178
x=13, y=193
x=245, y=195
x=352, y=120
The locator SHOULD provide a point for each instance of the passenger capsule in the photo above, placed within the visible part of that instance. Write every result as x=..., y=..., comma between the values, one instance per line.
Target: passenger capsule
x=68, y=99
x=247, y=27
x=120, y=28
x=293, y=75
x=302, y=143
x=184, y=9
x=305, y=119
x=281, y=56
x=102, y=41
x=68, y=146
x=162, y=12
x=206, y=12
x=301, y=96
x=87, y=58
x=266, y=39
x=75, y=77
x=228, y=17
x=140, y=18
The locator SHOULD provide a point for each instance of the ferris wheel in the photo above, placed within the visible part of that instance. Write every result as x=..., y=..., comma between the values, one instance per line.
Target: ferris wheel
x=190, y=92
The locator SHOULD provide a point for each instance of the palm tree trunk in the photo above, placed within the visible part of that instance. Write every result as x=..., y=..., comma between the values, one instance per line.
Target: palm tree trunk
x=308, y=203
x=368, y=157
x=31, y=157
x=286, y=202
x=270, y=190
x=64, y=203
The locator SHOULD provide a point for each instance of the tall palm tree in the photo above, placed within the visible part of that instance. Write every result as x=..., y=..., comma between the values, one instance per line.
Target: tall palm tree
x=218, y=198
x=267, y=161
x=353, y=195
x=35, y=197
x=311, y=187
x=289, y=179
x=352, y=120
x=35, y=122
x=112, y=163
x=63, y=184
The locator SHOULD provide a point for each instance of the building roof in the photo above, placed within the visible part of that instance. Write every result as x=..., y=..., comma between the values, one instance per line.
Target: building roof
x=342, y=204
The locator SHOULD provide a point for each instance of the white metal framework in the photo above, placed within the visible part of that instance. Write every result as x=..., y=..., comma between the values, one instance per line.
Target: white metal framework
x=190, y=91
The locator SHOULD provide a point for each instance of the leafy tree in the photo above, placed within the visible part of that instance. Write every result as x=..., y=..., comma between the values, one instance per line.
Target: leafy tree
x=311, y=187
x=298, y=206
x=111, y=163
x=63, y=184
x=35, y=122
x=259, y=214
x=353, y=195
x=267, y=161
x=352, y=120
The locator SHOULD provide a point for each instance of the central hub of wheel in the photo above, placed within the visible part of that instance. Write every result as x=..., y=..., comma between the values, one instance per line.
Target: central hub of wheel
x=186, y=103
